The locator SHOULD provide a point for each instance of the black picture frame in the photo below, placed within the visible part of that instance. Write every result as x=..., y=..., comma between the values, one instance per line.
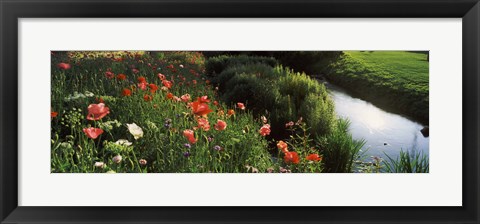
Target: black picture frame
x=11, y=11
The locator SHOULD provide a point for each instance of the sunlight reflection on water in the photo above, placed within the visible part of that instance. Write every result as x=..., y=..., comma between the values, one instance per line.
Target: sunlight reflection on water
x=384, y=131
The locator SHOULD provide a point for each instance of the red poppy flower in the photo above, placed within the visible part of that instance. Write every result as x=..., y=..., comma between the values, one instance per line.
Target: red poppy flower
x=194, y=82
x=161, y=76
x=142, y=79
x=121, y=77
x=167, y=83
x=189, y=134
x=169, y=95
x=170, y=66
x=142, y=85
x=241, y=106
x=53, y=114
x=203, y=124
x=282, y=146
x=135, y=71
x=291, y=157
x=147, y=97
x=126, y=92
x=93, y=133
x=152, y=87
x=97, y=111
x=109, y=74
x=185, y=98
x=314, y=157
x=203, y=99
x=221, y=125
x=215, y=103
x=200, y=109
x=64, y=66
x=265, y=130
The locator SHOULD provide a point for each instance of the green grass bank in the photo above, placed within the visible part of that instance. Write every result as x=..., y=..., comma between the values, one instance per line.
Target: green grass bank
x=394, y=80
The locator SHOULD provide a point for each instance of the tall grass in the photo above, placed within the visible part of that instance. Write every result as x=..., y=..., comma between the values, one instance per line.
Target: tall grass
x=339, y=149
x=408, y=162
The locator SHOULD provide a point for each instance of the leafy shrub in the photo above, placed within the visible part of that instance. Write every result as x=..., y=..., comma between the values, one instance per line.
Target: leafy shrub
x=284, y=94
x=258, y=70
x=216, y=65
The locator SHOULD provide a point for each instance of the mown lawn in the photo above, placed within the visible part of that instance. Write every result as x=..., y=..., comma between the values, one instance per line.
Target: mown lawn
x=394, y=80
x=409, y=68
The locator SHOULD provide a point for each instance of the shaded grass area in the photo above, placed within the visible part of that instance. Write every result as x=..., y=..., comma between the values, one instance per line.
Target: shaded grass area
x=394, y=80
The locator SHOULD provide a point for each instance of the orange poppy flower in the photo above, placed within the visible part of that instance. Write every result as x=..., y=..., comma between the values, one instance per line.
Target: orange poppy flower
x=121, y=77
x=142, y=85
x=147, y=97
x=64, y=66
x=167, y=83
x=161, y=76
x=93, y=133
x=203, y=124
x=282, y=146
x=200, y=109
x=97, y=111
x=230, y=112
x=141, y=79
x=126, y=92
x=265, y=130
x=203, y=99
x=189, y=134
x=153, y=87
x=109, y=74
x=241, y=106
x=291, y=157
x=53, y=114
x=185, y=98
x=169, y=95
x=314, y=157
x=221, y=125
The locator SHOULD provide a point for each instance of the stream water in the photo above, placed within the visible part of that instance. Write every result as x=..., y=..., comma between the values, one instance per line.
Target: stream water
x=383, y=131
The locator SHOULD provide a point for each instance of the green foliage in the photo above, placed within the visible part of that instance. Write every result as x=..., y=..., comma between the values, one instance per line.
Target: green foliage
x=284, y=94
x=339, y=149
x=407, y=162
x=304, y=61
x=395, y=80
x=216, y=65
x=162, y=120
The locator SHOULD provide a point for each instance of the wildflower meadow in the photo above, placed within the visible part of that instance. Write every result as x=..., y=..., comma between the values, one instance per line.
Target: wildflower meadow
x=197, y=112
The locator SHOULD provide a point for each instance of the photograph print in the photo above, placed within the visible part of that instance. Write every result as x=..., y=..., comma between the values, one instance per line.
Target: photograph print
x=124, y=111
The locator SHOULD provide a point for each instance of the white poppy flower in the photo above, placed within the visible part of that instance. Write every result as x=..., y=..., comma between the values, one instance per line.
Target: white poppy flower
x=136, y=131
x=124, y=142
x=117, y=159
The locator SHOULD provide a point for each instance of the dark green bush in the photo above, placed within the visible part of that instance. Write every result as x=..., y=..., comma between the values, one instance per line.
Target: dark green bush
x=279, y=93
x=261, y=71
x=216, y=65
